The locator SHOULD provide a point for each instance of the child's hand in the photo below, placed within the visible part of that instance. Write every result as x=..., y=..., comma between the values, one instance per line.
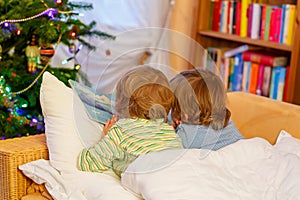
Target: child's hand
x=175, y=123
x=109, y=124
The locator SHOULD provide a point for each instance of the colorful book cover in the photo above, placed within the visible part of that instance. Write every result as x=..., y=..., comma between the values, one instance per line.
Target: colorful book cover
x=286, y=23
x=238, y=73
x=267, y=23
x=238, y=18
x=291, y=25
x=261, y=58
x=266, y=81
x=244, y=19
x=286, y=85
x=281, y=82
x=260, y=79
x=253, y=78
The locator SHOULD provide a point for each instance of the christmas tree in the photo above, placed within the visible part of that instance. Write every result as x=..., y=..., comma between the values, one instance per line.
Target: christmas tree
x=30, y=29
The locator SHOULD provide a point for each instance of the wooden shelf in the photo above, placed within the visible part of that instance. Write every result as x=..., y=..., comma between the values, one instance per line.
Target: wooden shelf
x=243, y=40
x=208, y=38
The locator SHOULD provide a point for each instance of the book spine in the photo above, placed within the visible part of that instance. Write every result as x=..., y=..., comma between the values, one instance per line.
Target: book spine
x=248, y=76
x=260, y=79
x=264, y=59
x=263, y=21
x=286, y=23
x=244, y=19
x=268, y=21
x=238, y=18
x=234, y=16
x=278, y=19
x=282, y=23
x=275, y=82
x=238, y=73
x=256, y=15
x=291, y=25
x=286, y=85
x=230, y=17
x=235, y=51
x=249, y=19
x=211, y=13
x=226, y=72
x=272, y=25
x=266, y=81
x=253, y=78
x=231, y=72
x=281, y=81
x=245, y=81
x=224, y=17
x=216, y=16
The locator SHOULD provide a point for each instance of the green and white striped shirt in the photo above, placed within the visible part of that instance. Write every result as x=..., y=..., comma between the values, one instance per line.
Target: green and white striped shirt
x=126, y=140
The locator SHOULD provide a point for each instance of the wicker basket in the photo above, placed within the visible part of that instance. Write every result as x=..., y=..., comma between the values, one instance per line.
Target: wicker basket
x=15, y=152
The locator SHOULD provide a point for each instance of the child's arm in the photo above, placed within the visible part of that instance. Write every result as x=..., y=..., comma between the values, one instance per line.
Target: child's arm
x=99, y=157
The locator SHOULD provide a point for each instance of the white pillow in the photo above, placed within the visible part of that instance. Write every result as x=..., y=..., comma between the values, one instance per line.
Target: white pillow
x=66, y=122
x=286, y=143
x=77, y=185
x=41, y=172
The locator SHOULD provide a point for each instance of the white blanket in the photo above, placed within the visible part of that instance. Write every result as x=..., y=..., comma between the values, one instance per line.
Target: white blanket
x=247, y=169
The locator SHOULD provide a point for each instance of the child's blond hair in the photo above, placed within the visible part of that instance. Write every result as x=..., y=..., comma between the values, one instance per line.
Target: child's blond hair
x=144, y=92
x=200, y=99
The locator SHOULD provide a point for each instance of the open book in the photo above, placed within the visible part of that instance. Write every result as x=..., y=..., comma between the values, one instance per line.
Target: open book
x=99, y=106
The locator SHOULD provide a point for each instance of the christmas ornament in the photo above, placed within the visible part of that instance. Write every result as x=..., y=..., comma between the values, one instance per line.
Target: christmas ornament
x=77, y=67
x=18, y=32
x=32, y=53
x=107, y=52
x=72, y=48
x=46, y=53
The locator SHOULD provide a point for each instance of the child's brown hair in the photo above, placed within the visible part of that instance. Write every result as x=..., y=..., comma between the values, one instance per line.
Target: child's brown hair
x=144, y=92
x=200, y=99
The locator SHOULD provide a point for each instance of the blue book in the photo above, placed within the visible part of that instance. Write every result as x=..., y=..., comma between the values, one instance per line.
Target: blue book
x=237, y=73
x=274, y=82
x=281, y=83
x=282, y=23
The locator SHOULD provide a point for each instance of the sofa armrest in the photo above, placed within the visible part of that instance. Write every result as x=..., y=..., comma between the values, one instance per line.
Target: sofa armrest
x=15, y=152
x=257, y=116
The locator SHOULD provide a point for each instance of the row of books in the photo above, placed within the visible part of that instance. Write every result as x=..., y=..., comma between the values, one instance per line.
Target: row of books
x=251, y=71
x=254, y=20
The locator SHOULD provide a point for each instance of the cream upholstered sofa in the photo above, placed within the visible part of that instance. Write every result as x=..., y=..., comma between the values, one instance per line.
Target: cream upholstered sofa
x=253, y=115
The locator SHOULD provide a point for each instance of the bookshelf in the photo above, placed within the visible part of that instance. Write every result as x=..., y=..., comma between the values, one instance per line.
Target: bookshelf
x=207, y=38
